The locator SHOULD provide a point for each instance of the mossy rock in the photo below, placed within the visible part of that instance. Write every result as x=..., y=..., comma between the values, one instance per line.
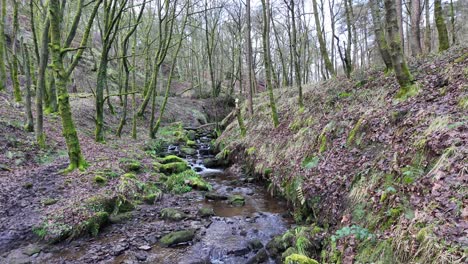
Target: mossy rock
x=213, y=163
x=157, y=166
x=125, y=206
x=299, y=259
x=170, y=159
x=94, y=224
x=119, y=218
x=237, y=200
x=100, y=180
x=191, y=135
x=49, y=201
x=188, y=151
x=276, y=246
x=174, y=167
x=177, y=237
x=131, y=165
x=260, y=257
x=205, y=212
x=150, y=198
x=198, y=183
x=172, y=214
x=255, y=244
x=215, y=196
x=191, y=143
x=129, y=175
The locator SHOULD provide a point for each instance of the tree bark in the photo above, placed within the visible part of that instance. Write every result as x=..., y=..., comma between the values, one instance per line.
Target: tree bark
x=249, y=58
x=267, y=59
x=3, y=75
x=380, y=35
x=402, y=72
x=427, y=30
x=29, y=126
x=14, y=59
x=441, y=27
x=41, y=83
x=296, y=54
x=415, y=28
x=323, y=48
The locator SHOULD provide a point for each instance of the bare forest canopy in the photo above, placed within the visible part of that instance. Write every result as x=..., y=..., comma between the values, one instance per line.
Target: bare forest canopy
x=138, y=50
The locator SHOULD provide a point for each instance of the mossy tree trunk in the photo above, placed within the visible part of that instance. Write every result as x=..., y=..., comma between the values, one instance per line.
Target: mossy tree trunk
x=126, y=66
x=154, y=131
x=441, y=27
x=267, y=59
x=14, y=59
x=62, y=75
x=3, y=75
x=41, y=83
x=322, y=46
x=427, y=30
x=113, y=10
x=29, y=126
x=398, y=61
x=380, y=35
x=296, y=55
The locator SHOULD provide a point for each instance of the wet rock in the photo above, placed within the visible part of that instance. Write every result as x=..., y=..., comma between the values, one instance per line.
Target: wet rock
x=174, y=167
x=119, y=249
x=206, y=212
x=243, y=233
x=144, y=247
x=239, y=252
x=275, y=247
x=198, y=169
x=32, y=249
x=191, y=135
x=212, y=162
x=215, y=196
x=141, y=256
x=177, y=237
x=172, y=214
x=237, y=200
x=188, y=151
x=260, y=257
x=255, y=244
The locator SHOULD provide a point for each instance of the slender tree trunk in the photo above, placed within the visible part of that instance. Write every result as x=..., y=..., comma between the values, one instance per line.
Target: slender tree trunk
x=380, y=35
x=427, y=30
x=29, y=126
x=14, y=60
x=296, y=53
x=348, y=65
x=323, y=48
x=398, y=61
x=452, y=22
x=399, y=14
x=3, y=75
x=267, y=59
x=249, y=58
x=441, y=27
x=415, y=29
x=41, y=83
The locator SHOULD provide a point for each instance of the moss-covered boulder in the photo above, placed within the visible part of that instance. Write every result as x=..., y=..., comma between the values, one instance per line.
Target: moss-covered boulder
x=260, y=257
x=170, y=159
x=276, y=246
x=205, y=212
x=299, y=259
x=184, y=182
x=191, y=135
x=130, y=165
x=236, y=200
x=188, y=151
x=177, y=237
x=174, y=167
x=172, y=214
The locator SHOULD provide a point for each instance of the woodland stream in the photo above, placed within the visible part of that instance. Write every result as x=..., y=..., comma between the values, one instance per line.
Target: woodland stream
x=234, y=234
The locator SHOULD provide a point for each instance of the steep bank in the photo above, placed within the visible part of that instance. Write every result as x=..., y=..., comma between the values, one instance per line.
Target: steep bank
x=385, y=177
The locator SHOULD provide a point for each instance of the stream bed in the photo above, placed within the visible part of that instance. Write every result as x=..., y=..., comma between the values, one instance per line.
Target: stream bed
x=234, y=234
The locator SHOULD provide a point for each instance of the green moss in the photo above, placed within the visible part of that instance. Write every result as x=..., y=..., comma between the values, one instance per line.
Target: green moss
x=49, y=201
x=99, y=180
x=93, y=224
x=406, y=92
x=150, y=198
x=352, y=133
x=131, y=165
x=170, y=159
x=236, y=200
x=107, y=173
x=299, y=259
x=177, y=237
x=172, y=214
x=188, y=151
x=175, y=167
x=250, y=151
x=422, y=234
x=206, y=212
x=191, y=143
x=184, y=182
x=375, y=252
x=463, y=102
x=129, y=175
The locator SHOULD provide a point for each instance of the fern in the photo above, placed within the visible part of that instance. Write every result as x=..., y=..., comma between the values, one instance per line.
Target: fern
x=300, y=194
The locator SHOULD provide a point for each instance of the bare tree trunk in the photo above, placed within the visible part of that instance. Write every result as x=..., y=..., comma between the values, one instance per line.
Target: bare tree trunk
x=427, y=30
x=29, y=126
x=415, y=29
x=452, y=22
x=323, y=48
x=296, y=54
x=3, y=75
x=399, y=14
x=267, y=59
x=249, y=58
